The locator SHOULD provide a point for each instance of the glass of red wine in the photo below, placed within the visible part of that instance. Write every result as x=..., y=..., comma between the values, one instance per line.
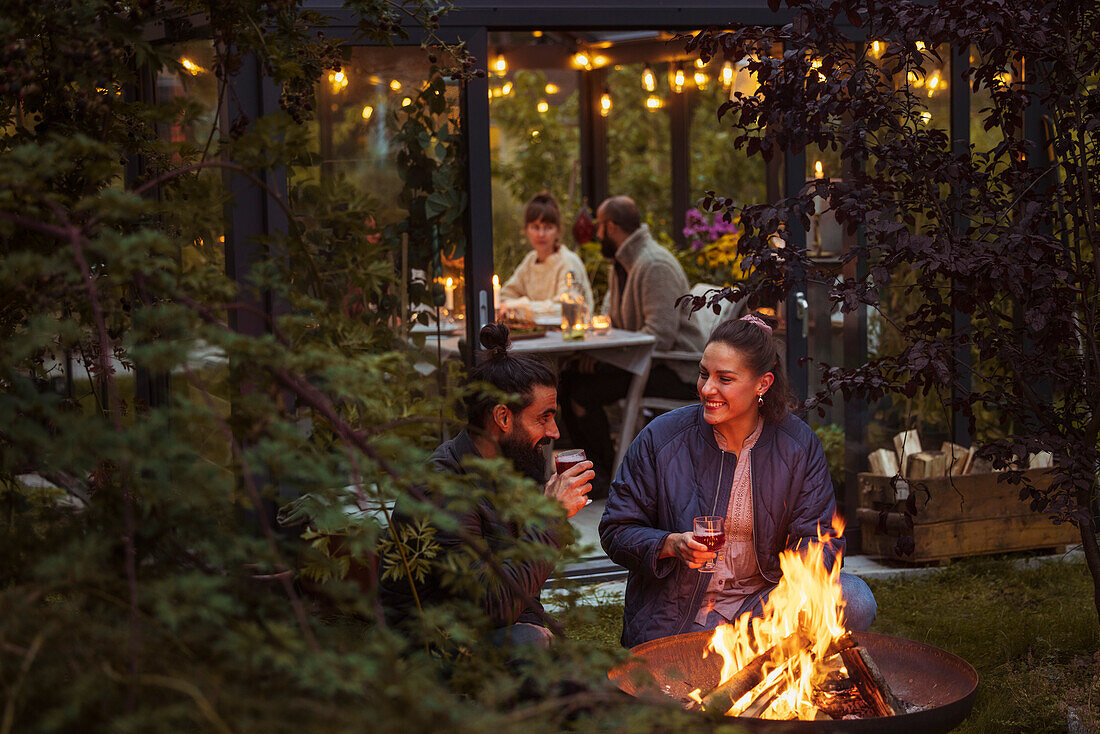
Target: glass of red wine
x=710, y=530
x=565, y=460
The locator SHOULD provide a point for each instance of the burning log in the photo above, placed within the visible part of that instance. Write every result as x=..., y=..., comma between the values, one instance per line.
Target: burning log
x=730, y=692
x=872, y=687
x=724, y=696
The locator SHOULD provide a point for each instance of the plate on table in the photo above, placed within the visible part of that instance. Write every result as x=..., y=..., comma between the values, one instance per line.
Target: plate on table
x=550, y=323
x=430, y=329
x=516, y=334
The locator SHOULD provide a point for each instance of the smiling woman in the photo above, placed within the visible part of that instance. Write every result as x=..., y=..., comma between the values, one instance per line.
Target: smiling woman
x=739, y=455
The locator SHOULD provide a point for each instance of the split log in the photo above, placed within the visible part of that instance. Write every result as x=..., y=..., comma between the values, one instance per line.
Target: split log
x=868, y=679
x=730, y=692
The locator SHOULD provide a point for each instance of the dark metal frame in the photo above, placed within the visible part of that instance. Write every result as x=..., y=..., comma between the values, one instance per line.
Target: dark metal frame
x=254, y=212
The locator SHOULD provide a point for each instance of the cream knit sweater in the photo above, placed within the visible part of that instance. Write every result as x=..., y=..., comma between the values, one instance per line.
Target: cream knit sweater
x=540, y=283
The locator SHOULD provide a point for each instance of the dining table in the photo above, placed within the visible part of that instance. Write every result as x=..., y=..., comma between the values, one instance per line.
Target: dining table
x=631, y=351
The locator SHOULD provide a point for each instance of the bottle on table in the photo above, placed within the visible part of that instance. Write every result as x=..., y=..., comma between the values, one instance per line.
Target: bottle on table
x=574, y=309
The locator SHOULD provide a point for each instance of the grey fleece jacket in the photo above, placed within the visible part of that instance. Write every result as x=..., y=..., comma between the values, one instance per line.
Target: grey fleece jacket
x=654, y=280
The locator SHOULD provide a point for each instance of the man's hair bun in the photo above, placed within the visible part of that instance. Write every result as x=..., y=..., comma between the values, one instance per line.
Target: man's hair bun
x=494, y=337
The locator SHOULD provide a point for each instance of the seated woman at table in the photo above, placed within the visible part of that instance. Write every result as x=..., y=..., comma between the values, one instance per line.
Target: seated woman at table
x=741, y=455
x=542, y=275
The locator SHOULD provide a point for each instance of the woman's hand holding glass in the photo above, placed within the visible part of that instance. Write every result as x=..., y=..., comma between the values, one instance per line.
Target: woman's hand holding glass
x=687, y=549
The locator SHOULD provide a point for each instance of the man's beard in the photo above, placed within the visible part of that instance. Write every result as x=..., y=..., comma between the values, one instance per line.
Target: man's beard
x=528, y=458
x=608, y=248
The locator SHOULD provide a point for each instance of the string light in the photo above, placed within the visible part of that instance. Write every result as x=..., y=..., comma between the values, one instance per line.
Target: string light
x=1004, y=78
x=678, y=80
x=406, y=102
x=699, y=64
x=339, y=81
x=701, y=80
x=581, y=59
x=727, y=74
x=506, y=89
x=500, y=66
x=191, y=67
x=876, y=47
x=649, y=81
x=933, y=83
x=543, y=106
x=653, y=102
x=599, y=61
x=920, y=45
x=367, y=112
x=925, y=117
x=552, y=89
x=914, y=79
x=819, y=170
x=536, y=34
x=395, y=85
x=605, y=103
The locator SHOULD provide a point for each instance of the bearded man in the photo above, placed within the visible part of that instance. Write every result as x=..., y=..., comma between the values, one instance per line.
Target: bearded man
x=518, y=431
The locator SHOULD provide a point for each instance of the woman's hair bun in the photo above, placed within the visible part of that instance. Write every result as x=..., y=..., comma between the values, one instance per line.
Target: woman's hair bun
x=494, y=337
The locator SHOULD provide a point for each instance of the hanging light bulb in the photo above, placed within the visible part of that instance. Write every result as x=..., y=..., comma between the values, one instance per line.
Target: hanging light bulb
x=395, y=85
x=191, y=67
x=1004, y=78
x=406, y=102
x=543, y=105
x=678, y=80
x=933, y=83
x=653, y=102
x=500, y=66
x=701, y=80
x=605, y=103
x=699, y=64
x=649, y=81
x=552, y=89
x=819, y=170
x=339, y=81
x=367, y=112
x=727, y=74
x=920, y=45
x=599, y=61
x=925, y=117
x=876, y=47
x=580, y=59
x=914, y=79
x=506, y=89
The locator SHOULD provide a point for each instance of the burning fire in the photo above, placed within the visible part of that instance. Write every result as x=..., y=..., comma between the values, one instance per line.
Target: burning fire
x=807, y=605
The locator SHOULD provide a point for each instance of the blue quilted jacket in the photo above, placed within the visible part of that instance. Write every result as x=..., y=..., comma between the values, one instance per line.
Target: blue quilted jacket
x=675, y=471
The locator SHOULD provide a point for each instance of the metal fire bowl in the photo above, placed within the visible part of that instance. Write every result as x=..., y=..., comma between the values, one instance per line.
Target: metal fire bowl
x=922, y=675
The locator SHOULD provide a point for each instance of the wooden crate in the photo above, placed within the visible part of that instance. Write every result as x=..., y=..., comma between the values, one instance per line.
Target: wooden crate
x=958, y=516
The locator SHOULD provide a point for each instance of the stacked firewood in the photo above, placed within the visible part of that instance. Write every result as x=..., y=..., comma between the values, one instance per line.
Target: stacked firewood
x=910, y=460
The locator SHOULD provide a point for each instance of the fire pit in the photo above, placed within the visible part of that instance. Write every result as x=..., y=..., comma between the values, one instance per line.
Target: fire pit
x=795, y=667
x=938, y=685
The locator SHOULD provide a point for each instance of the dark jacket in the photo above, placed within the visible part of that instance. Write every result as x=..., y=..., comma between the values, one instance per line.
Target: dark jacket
x=500, y=602
x=673, y=472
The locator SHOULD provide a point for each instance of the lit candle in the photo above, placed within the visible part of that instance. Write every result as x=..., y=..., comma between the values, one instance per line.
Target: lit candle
x=496, y=293
x=449, y=288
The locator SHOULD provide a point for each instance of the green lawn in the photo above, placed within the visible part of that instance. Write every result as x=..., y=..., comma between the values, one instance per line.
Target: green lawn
x=1032, y=635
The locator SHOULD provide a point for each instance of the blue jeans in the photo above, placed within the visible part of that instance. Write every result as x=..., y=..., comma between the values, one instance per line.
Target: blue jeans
x=860, y=607
x=520, y=635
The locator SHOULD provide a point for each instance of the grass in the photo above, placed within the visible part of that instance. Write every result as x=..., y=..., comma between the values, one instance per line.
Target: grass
x=1031, y=633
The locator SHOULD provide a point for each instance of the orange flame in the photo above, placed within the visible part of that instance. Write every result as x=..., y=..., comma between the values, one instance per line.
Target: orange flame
x=807, y=598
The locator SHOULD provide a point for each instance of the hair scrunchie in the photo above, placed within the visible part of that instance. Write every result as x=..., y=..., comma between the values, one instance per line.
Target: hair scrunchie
x=754, y=319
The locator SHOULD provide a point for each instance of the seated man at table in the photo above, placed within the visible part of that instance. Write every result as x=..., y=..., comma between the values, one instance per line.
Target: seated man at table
x=643, y=285
x=517, y=431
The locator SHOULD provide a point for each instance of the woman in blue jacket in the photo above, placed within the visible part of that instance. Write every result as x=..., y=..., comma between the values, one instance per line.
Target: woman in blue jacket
x=740, y=454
